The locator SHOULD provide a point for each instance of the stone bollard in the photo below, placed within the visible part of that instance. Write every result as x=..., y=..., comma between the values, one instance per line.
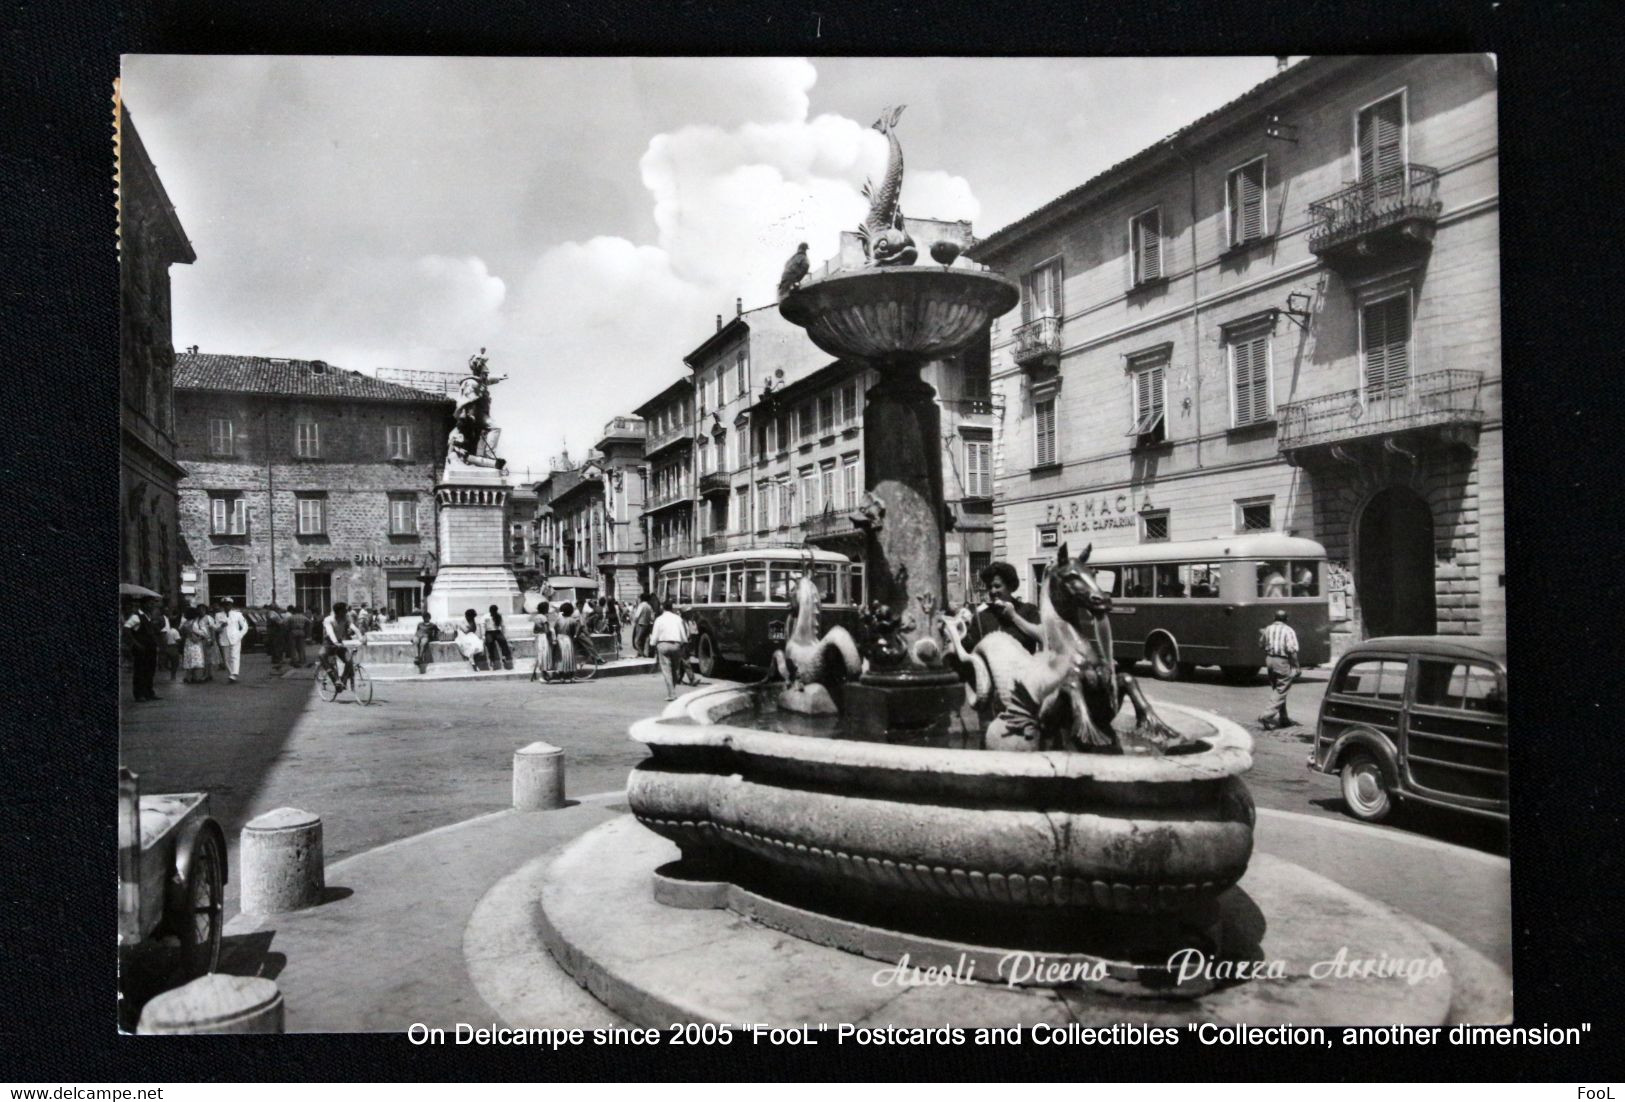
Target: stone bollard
x=538, y=777
x=215, y=1004
x=281, y=859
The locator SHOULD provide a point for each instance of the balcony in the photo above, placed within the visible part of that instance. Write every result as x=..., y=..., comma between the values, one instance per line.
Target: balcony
x=1038, y=344
x=831, y=522
x=715, y=484
x=1388, y=216
x=623, y=429
x=714, y=543
x=658, y=441
x=1440, y=406
x=666, y=500
x=666, y=550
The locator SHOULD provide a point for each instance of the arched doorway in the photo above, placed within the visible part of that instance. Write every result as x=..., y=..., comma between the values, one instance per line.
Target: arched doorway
x=1393, y=569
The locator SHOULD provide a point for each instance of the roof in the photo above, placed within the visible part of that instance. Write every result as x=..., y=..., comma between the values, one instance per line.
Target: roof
x=735, y=328
x=290, y=378
x=647, y=408
x=1264, y=545
x=760, y=554
x=1018, y=229
x=1492, y=647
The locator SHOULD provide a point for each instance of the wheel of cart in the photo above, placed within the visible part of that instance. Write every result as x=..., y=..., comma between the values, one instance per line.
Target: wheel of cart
x=587, y=663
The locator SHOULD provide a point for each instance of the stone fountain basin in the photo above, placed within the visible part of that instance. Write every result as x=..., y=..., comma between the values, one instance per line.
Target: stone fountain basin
x=926, y=312
x=1121, y=834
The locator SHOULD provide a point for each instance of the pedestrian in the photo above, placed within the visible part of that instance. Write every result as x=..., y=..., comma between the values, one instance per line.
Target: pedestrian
x=541, y=626
x=195, y=634
x=298, y=625
x=567, y=628
x=337, y=627
x=172, y=639
x=470, y=643
x=142, y=630
x=232, y=631
x=217, y=616
x=425, y=634
x=612, y=623
x=205, y=627
x=669, y=634
x=642, y=623
x=276, y=636
x=496, y=640
x=1004, y=610
x=1280, y=645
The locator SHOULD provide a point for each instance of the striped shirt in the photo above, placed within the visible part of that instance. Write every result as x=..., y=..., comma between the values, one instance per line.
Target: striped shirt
x=1279, y=640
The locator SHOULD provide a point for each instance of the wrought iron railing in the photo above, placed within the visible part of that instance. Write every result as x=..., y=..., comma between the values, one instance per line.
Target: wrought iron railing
x=710, y=545
x=828, y=523
x=1038, y=340
x=716, y=482
x=660, y=501
x=1408, y=192
x=1436, y=398
x=670, y=549
x=625, y=426
x=658, y=440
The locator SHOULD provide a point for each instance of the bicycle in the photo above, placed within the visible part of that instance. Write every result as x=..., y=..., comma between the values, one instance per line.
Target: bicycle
x=357, y=680
x=586, y=666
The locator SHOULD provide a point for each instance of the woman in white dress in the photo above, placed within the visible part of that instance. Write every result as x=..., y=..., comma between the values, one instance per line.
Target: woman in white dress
x=470, y=641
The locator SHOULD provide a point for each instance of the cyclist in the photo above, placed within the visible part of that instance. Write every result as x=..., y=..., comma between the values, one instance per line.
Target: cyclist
x=336, y=628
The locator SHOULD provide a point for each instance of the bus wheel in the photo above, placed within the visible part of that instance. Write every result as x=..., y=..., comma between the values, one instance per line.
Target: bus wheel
x=1239, y=675
x=1164, y=658
x=707, y=653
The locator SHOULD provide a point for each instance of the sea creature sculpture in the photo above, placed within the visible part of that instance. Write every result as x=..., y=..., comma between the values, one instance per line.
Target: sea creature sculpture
x=795, y=270
x=1068, y=694
x=885, y=242
x=809, y=664
x=870, y=515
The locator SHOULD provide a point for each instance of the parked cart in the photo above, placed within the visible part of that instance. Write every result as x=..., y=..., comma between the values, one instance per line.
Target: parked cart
x=172, y=876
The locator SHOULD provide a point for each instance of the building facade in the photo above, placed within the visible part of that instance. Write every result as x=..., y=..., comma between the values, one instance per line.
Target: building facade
x=308, y=484
x=668, y=492
x=620, y=555
x=150, y=240
x=1284, y=318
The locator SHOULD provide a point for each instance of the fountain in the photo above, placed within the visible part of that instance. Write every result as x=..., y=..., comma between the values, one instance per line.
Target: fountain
x=889, y=833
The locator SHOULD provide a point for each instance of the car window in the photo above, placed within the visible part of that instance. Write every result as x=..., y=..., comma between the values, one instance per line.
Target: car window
x=1463, y=686
x=1374, y=679
x=1481, y=691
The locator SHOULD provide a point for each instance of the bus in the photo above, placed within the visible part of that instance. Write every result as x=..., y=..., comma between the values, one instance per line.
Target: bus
x=737, y=601
x=1203, y=602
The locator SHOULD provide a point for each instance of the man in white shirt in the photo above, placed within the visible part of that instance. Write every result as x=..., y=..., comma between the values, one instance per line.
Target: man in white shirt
x=1280, y=645
x=669, y=636
x=233, y=628
x=336, y=628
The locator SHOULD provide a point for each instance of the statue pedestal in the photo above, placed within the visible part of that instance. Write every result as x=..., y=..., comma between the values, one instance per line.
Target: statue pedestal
x=472, y=532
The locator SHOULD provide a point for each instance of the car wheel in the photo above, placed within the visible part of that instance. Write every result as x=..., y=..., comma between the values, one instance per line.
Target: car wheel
x=1365, y=790
x=1164, y=659
x=707, y=653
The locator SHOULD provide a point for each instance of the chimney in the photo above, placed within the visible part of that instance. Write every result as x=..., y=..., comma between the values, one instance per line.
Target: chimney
x=739, y=307
x=1281, y=62
x=719, y=323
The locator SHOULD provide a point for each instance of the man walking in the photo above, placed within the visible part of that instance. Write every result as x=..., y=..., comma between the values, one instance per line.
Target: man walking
x=297, y=629
x=1280, y=645
x=669, y=634
x=276, y=636
x=142, y=631
x=642, y=621
x=232, y=631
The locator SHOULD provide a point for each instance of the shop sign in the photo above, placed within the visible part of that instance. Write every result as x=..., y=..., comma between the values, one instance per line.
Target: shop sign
x=1048, y=536
x=1090, y=514
x=365, y=558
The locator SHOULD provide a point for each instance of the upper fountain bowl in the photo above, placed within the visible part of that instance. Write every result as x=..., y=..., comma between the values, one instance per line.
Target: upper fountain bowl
x=879, y=314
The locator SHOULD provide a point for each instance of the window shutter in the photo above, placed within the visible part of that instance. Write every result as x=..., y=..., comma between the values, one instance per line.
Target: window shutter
x=1044, y=413
x=1157, y=389
x=1382, y=128
x=1251, y=366
x=219, y=507
x=1148, y=246
x=1053, y=274
x=1387, y=344
x=1250, y=193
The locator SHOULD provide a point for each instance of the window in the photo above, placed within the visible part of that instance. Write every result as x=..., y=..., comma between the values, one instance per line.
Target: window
x=1459, y=686
x=1273, y=579
x=1041, y=292
x=1381, y=140
x=704, y=455
x=307, y=442
x=1305, y=578
x=1044, y=432
x=228, y=515
x=826, y=413
x=1204, y=578
x=1171, y=578
x=1154, y=526
x=740, y=385
x=786, y=498
x=849, y=403
x=222, y=439
x=807, y=499
x=403, y=516
x=1244, y=202
x=398, y=441
x=741, y=515
x=1145, y=243
x=756, y=584
x=804, y=421
x=826, y=483
x=699, y=395
x=1250, y=377
x=1150, y=376
x=1374, y=680
x=719, y=584
x=312, y=515
x=978, y=468
x=1137, y=581
x=764, y=507
x=1256, y=515
x=1385, y=340
x=313, y=592
x=849, y=481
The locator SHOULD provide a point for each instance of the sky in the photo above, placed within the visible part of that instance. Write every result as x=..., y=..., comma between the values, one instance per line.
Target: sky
x=586, y=219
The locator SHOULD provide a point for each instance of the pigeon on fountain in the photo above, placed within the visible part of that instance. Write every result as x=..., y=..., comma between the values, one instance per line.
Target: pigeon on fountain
x=795, y=270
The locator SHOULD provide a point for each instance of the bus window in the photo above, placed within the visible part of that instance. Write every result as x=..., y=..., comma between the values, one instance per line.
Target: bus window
x=756, y=584
x=1205, y=578
x=1171, y=579
x=780, y=581
x=685, y=587
x=1106, y=579
x=1305, y=578
x=824, y=578
x=1272, y=579
x=1137, y=581
x=719, y=584
x=857, y=585
x=736, y=585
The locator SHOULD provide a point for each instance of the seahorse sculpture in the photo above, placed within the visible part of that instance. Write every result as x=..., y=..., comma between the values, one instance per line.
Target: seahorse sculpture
x=1068, y=694
x=884, y=239
x=809, y=665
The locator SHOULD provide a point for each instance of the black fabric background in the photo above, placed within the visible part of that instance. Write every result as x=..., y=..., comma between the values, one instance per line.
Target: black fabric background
x=1560, y=151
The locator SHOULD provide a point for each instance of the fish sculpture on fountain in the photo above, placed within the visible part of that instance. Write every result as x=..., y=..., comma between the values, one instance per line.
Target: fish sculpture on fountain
x=1066, y=696
x=809, y=664
x=885, y=241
